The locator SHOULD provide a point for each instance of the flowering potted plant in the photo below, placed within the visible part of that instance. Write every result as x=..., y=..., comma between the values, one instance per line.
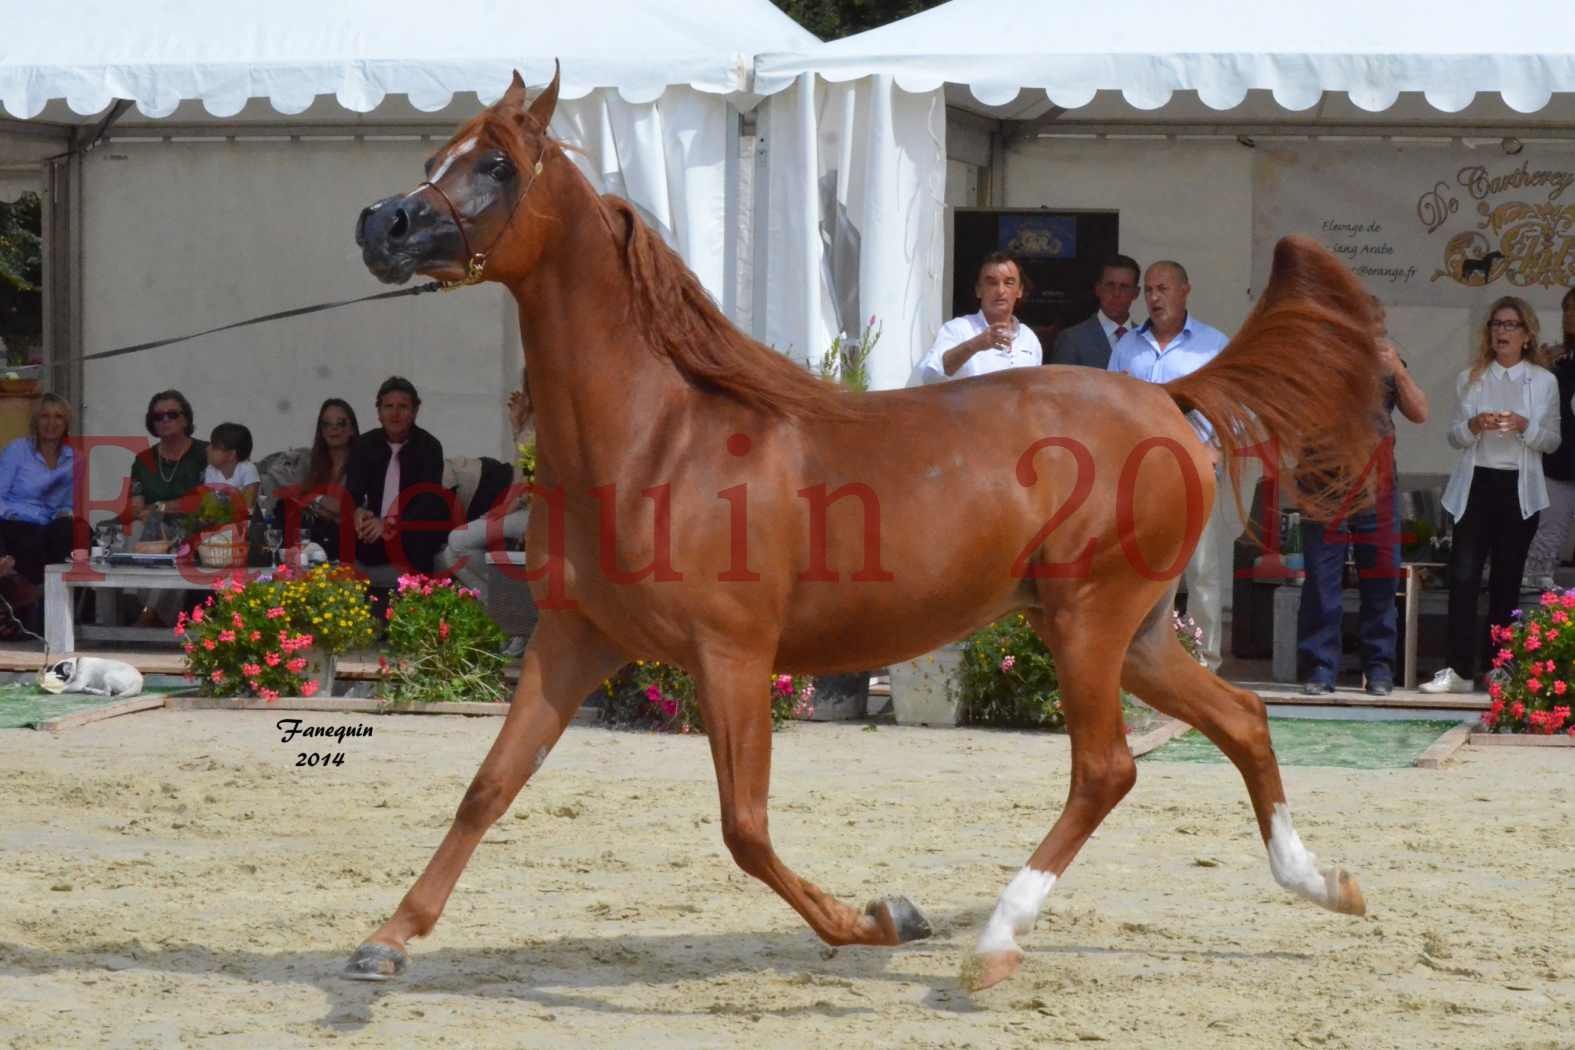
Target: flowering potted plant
x=659, y=695
x=275, y=637
x=1006, y=676
x=1531, y=685
x=445, y=646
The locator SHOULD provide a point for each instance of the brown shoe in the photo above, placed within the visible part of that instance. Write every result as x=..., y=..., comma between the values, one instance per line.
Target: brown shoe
x=149, y=618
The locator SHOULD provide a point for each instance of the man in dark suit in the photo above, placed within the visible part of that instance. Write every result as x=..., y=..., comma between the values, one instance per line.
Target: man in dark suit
x=1089, y=342
x=395, y=477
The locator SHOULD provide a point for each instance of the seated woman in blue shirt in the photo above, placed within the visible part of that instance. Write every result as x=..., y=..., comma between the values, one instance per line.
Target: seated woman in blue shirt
x=35, y=493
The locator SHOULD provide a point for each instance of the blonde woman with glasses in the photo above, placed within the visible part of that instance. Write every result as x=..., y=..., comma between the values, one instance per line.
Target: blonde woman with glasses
x=1506, y=418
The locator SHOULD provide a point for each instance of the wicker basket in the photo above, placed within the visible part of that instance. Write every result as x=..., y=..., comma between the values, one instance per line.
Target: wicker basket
x=222, y=549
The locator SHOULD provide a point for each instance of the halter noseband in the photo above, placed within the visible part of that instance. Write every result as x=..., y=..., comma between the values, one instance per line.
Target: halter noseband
x=476, y=263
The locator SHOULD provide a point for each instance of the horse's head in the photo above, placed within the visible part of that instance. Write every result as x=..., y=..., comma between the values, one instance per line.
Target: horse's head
x=452, y=225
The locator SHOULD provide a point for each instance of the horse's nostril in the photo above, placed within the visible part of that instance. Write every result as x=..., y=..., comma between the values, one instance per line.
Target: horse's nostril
x=400, y=227
x=360, y=224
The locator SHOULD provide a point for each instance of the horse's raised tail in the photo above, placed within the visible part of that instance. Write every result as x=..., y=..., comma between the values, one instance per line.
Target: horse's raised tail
x=1300, y=382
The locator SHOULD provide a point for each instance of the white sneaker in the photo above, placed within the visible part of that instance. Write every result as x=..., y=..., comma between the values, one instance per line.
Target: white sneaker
x=1446, y=681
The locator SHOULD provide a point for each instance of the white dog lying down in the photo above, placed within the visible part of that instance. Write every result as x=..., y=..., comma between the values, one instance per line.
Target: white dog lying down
x=92, y=675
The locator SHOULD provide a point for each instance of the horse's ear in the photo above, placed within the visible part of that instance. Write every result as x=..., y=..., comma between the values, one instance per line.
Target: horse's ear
x=514, y=98
x=542, y=108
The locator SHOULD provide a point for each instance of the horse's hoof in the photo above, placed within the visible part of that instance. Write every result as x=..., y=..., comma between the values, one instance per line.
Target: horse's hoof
x=980, y=970
x=899, y=919
x=375, y=962
x=1348, y=899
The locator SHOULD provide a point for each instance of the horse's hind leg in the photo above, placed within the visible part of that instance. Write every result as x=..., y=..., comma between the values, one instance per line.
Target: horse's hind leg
x=1159, y=670
x=1087, y=651
x=737, y=712
x=564, y=661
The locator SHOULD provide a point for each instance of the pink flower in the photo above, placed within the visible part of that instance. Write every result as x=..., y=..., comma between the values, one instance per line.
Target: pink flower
x=1517, y=710
x=235, y=618
x=1008, y=662
x=255, y=636
x=309, y=687
x=296, y=666
x=669, y=707
x=190, y=648
x=251, y=670
x=272, y=659
x=217, y=676
x=1533, y=643
x=1533, y=685
x=653, y=694
x=276, y=612
x=442, y=630
x=1561, y=617
x=1495, y=690
x=1560, y=687
x=783, y=684
x=196, y=615
x=180, y=630
x=268, y=694
x=209, y=644
x=226, y=636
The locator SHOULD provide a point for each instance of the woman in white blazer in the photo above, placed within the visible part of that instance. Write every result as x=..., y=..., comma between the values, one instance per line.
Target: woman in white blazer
x=1506, y=417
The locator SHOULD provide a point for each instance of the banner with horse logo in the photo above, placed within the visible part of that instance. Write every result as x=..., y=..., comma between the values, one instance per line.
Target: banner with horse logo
x=1425, y=225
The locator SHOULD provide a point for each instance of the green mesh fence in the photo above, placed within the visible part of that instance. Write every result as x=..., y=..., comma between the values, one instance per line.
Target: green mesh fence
x=1321, y=742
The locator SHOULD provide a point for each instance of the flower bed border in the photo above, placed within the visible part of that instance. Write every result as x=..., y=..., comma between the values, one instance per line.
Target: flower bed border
x=1481, y=739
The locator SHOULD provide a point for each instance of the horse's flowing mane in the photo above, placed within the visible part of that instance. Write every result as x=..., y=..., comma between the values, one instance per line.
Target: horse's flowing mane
x=682, y=323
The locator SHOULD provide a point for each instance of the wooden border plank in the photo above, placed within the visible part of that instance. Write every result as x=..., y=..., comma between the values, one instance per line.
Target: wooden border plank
x=1161, y=734
x=353, y=705
x=1444, y=748
x=95, y=714
x=1520, y=740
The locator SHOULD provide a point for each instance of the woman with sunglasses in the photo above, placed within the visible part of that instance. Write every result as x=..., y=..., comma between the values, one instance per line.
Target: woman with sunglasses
x=1506, y=417
x=321, y=495
x=161, y=479
x=161, y=475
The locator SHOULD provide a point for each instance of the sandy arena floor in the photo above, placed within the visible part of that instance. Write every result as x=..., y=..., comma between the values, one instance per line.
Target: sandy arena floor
x=172, y=879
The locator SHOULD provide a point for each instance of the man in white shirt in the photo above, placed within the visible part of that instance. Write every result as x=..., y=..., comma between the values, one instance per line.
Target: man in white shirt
x=1090, y=342
x=1170, y=344
x=991, y=340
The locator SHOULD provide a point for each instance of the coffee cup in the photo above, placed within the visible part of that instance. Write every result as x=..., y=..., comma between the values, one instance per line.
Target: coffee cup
x=99, y=552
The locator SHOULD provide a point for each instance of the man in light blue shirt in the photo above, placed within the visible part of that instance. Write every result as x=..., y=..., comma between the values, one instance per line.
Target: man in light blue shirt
x=1170, y=344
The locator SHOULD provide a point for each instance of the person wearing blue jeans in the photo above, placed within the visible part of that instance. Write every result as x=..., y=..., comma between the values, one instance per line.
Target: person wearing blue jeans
x=1318, y=644
x=1375, y=532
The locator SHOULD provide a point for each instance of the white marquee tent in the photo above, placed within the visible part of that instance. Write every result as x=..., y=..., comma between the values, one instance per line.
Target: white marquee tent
x=226, y=183
x=1161, y=67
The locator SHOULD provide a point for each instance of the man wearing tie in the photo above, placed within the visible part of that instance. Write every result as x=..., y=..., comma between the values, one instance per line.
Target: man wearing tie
x=1090, y=342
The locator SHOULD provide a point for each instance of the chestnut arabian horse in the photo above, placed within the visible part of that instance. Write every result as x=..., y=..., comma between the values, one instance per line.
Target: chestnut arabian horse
x=705, y=501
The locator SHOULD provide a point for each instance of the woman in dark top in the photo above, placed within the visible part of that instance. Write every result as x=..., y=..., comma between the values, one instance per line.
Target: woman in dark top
x=1558, y=466
x=174, y=466
x=161, y=478
x=321, y=499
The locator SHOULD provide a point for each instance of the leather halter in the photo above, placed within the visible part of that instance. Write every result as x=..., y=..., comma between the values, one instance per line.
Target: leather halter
x=476, y=263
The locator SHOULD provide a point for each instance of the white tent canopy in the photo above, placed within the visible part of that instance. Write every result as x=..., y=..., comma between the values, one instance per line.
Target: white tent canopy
x=91, y=52
x=1220, y=49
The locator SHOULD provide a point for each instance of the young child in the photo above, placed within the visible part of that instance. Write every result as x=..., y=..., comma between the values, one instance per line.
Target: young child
x=229, y=461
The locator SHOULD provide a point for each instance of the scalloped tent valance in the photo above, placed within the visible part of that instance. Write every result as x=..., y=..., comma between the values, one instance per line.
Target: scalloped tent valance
x=158, y=54
x=1449, y=51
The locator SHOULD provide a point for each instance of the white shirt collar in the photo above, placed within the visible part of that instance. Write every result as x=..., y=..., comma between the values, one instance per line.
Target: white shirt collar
x=1515, y=373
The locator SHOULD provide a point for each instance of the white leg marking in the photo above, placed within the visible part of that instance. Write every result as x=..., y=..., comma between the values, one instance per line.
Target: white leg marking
x=1016, y=911
x=1294, y=866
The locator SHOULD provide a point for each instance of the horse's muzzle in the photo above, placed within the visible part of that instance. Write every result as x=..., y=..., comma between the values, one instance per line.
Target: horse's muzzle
x=396, y=236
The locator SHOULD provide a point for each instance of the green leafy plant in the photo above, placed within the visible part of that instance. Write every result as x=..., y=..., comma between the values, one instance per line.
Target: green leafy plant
x=847, y=361
x=661, y=696
x=1533, y=678
x=525, y=458
x=444, y=645
x=1007, y=677
x=214, y=509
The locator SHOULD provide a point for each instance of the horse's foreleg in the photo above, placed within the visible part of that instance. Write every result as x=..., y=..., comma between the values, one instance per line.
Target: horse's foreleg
x=1160, y=671
x=1102, y=773
x=737, y=711
x=565, y=660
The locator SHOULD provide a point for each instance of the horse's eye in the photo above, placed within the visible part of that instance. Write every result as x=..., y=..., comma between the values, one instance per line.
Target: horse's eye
x=500, y=171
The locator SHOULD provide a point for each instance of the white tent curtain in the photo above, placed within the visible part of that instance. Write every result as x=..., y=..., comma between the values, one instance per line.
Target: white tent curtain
x=15, y=183
x=856, y=185
x=667, y=157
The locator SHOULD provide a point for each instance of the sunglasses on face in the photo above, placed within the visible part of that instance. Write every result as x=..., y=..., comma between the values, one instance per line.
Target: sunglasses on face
x=1506, y=326
x=160, y=417
x=333, y=424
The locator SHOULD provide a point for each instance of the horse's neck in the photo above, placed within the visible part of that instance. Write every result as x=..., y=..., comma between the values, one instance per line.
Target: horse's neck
x=595, y=383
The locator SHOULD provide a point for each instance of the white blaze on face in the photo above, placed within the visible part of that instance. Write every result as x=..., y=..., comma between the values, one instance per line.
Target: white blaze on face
x=1294, y=866
x=454, y=154
x=1016, y=911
